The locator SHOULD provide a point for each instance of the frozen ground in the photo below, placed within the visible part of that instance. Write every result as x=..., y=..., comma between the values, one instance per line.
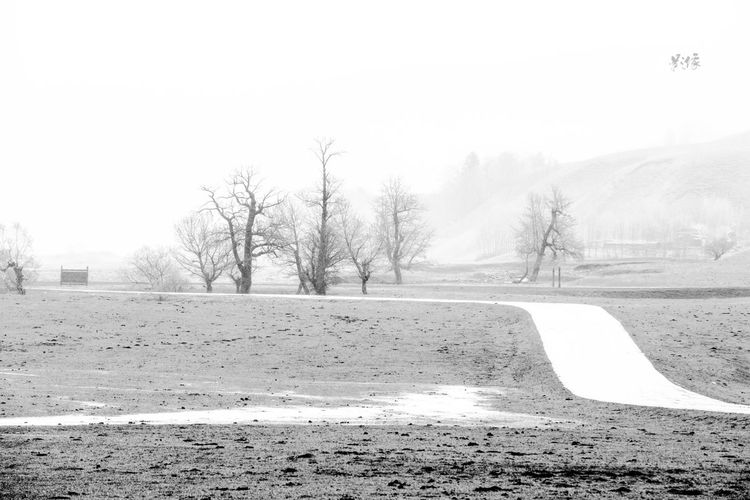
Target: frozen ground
x=590, y=351
x=112, y=356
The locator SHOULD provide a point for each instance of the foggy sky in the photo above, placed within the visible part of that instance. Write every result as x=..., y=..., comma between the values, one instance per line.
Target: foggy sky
x=113, y=114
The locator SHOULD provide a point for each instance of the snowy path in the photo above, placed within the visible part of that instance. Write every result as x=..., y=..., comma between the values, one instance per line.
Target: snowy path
x=590, y=351
x=595, y=358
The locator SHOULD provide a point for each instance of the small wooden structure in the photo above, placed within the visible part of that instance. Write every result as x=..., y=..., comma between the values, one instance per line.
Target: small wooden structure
x=74, y=276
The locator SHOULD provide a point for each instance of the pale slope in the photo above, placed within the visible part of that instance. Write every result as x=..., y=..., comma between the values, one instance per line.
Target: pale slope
x=689, y=185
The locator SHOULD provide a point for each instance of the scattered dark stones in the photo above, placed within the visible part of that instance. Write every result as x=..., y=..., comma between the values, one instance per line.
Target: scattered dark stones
x=487, y=489
x=691, y=492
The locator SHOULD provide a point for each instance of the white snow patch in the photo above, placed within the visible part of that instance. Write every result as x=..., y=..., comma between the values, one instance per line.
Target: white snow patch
x=92, y=404
x=446, y=405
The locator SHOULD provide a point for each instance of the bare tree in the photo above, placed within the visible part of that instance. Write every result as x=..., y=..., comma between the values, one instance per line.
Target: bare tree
x=155, y=267
x=204, y=250
x=16, y=258
x=245, y=208
x=529, y=231
x=323, y=249
x=291, y=246
x=403, y=232
x=362, y=244
x=547, y=225
x=718, y=246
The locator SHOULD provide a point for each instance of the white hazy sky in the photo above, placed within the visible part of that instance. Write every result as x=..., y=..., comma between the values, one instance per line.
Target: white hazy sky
x=113, y=114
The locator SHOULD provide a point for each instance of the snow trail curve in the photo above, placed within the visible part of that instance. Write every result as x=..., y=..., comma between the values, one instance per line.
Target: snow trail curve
x=595, y=358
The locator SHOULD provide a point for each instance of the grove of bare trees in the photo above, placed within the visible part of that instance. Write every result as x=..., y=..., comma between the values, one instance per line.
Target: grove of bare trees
x=546, y=226
x=204, y=250
x=245, y=208
x=313, y=235
x=402, y=229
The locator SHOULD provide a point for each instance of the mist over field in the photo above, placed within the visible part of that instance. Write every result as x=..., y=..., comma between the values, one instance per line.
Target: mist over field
x=657, y=202
x=469, y=107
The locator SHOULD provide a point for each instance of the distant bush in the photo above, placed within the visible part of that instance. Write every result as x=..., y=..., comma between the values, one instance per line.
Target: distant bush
x=156, y=268
x=717, y=247
x=173, y=283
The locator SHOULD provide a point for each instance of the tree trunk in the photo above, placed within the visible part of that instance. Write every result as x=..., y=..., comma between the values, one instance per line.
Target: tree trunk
x=364, y=286
x=396, y=257
x=543, y=246
x=320, y=287
x=19, y=280
x=397, y=272
x=302, y=287
x=245, y=282
x=537, y=266
x=209, y=286
x=320, y=284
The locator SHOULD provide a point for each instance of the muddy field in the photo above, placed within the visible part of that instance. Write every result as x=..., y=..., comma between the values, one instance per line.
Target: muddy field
x=110, y=355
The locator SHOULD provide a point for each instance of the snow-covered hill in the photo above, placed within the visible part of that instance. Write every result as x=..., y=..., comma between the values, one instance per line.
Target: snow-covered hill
x=642, y=195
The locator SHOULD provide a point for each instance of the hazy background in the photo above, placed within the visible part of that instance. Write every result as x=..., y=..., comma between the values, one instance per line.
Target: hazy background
x=113, y=114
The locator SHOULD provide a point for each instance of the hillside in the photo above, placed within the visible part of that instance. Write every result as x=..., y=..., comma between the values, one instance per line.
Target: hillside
x=643, y=195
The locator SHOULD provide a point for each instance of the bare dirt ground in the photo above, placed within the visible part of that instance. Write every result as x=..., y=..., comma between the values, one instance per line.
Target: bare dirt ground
x=698, y=337
x=60, y=353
